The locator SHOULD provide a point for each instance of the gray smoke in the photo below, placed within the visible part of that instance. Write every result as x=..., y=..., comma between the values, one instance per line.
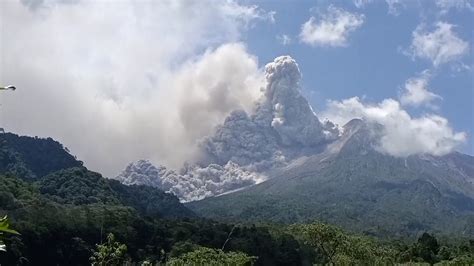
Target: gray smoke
x=192, y=182
x=282, y=127
x=293, y=117
x=282, y=124
x=145, y=77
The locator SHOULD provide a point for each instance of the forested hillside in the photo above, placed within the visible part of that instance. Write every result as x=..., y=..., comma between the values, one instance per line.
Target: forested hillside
x=355, y=186
x=72, y=229
x=63, y=212
x=30, y=158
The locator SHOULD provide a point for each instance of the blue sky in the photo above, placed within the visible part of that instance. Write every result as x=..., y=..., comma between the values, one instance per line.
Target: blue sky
x=373, y=64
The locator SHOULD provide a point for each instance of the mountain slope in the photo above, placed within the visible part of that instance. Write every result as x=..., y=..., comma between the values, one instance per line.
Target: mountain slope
x=353, y=185
x=79, y=186
x=64, y=214
x=30, y=158
x=54, y=233
x=387, y=174
x=58, y=176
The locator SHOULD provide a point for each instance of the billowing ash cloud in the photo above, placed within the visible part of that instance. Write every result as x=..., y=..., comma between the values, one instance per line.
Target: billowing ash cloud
x=127, y=79
x=241, y=139
x=293, y=118
x=282, y=122
x=192, y=182
x=281, y=127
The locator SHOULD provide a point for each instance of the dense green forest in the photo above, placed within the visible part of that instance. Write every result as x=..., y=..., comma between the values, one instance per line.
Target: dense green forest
x=68, y=215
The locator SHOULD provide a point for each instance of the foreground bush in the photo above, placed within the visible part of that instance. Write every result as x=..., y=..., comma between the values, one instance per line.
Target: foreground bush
x=209, y=256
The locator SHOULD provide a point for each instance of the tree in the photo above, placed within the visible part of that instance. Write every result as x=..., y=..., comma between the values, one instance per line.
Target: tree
x=428, y=248
x=461, y=260
x=209, y=256
x=182, y=247
x=340, y=248
x=444, y=253
x=110, y=253
x=326, y=239
x=5, y=228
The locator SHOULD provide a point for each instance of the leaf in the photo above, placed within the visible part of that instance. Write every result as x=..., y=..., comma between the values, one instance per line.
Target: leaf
x=4, y=226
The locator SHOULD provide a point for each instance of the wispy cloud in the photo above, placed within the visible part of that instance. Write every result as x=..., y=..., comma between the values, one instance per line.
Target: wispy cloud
x=362, y=3
x=446, y=5
x=394, y=6
x=440, y=46
x=416, y=92
x=331, y=28
x=284, y=39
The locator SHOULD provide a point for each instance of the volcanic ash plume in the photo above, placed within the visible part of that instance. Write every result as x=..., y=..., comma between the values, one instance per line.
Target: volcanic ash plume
x=293, y=118
x=281, y=128
x=283, y=122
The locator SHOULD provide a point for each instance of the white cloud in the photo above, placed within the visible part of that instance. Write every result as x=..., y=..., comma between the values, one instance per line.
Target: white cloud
x=362, y=3
x=284, y=39
x=443, y=6
x=403, y=135
x=248, y=14
x=331, y=29
x=394, y=6
x=416, y=91
x=128, y=79
x=460, y=67
x=446, y=5
x=439, y=46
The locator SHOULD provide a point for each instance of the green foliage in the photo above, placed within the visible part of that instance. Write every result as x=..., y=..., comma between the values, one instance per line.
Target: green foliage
x=80, y=186
x=150, y=201
x=77, y=186
x=428, y=247
x=75, y=228
x=337, y=247
x=208, y=256
x=69, y=237
x=5, y=228
x=31, y=158
x=14, y=191
x=64, y=212
x=461, y=260
x=181, y=248
x=328, y=240
x=110, y=253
